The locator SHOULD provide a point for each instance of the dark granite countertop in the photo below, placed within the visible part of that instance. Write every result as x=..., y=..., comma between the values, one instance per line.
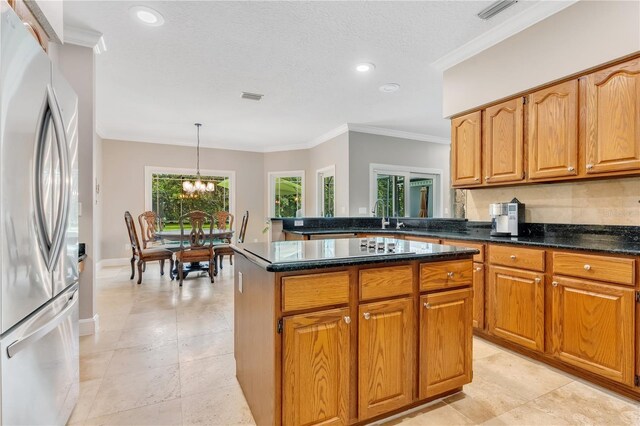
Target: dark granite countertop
x=282, y=256
x=606, y=239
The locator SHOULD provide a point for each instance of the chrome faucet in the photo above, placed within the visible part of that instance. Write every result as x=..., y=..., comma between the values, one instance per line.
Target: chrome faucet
x=399, y=224
x=374, y=211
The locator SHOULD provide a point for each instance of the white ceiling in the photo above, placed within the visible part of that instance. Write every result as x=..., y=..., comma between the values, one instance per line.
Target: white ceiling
x=153, y=83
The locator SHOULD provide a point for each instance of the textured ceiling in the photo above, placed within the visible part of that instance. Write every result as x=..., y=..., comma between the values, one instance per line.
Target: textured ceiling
x=153, y=83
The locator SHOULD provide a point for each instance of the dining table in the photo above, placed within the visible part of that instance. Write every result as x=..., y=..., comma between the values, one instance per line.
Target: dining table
x=175, y=234
x=170, y=239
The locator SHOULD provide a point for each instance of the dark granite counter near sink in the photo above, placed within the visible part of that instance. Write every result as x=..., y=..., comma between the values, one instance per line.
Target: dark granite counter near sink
x=624, y=240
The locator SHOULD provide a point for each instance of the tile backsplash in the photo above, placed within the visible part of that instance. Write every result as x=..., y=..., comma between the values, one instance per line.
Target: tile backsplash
x=596, y=202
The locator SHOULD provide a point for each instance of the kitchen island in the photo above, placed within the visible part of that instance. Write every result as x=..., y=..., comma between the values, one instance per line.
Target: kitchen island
x=336, y=332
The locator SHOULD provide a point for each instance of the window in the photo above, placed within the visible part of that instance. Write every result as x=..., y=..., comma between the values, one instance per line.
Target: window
x=405, y=191
x=167, y=199
x=286, y=194
x=326, y=183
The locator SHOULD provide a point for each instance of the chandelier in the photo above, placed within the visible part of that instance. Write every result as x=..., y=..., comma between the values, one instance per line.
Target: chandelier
x=198, y=186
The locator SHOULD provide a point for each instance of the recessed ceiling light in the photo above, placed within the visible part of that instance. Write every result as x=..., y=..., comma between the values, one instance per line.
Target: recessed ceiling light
x=147, y=16
x=389, y=87
x=365, y=67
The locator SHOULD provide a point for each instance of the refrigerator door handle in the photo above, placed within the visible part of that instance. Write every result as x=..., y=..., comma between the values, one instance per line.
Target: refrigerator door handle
x=62, y=219
x=40, y=215
x=20, y=344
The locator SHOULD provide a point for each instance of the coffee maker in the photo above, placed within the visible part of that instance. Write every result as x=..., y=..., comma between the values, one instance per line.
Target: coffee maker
x=506, y=218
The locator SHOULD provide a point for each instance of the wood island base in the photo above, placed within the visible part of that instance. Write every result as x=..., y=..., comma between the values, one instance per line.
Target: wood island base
x=351, y=345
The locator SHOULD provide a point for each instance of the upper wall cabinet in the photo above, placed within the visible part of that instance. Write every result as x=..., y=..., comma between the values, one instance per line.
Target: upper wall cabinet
x=585, y=127
x=504, y=142
x=466, y=153
x=613, y=119
x=553, y=131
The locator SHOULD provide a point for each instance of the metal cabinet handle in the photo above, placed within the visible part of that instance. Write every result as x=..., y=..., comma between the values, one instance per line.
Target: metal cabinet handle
x=513, y=257
x=347, y=319
x=19, y=345
x=538, y=280
x=479, y=268
x=427, y=305
x=366, y=315
x=486, y=178
x=587, y=267
x=555, y=283
x=589, y=166
x=450, y=274
x=570, y=168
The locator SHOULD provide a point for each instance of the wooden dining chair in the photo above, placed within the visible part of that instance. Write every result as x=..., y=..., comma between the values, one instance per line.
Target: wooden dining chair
x=143, y=255
x=196, y=245
x=225, y=249
x=222, y=218
x=149, y=226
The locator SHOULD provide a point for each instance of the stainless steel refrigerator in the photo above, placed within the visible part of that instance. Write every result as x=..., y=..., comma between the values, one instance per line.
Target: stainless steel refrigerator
x=39, y=367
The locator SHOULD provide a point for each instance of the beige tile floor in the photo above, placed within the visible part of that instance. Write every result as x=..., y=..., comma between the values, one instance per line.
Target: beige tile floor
x=164, y=356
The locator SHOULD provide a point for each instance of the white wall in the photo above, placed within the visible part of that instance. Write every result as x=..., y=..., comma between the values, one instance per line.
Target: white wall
x=581, y=36
x=366, y=149
x=123, y=181
x=334, y=152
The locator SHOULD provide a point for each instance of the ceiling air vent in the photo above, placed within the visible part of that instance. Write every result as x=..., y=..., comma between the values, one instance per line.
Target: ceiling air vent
x=496, y=7
x=251, y=96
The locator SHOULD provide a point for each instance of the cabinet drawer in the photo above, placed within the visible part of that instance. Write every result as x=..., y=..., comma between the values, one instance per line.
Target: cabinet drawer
x=516, y=257
x=386, y=282
x=446, y=274
x=612, y=269
x=476, y=258
x=313, y=291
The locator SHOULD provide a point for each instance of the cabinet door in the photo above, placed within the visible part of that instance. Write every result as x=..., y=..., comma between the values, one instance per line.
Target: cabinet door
x=503, y=142
x=386, y=356
x=445, y=341
x=593, y=327
x=553, y=131
x=478, y=295
x=516, y=306
x=466, y=153
x=613, y=119
x=316, y=350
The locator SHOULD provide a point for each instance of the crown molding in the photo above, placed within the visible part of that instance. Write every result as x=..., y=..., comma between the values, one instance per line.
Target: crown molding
x=347, y=127
x=85, y=38
x=381, y=131
x=506, y=29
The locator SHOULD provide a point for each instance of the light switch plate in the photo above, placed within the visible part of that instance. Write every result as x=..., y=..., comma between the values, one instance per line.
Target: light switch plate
x=240, y=282
x=298, y=223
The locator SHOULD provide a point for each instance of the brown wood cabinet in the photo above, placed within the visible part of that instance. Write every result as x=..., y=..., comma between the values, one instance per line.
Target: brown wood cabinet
x=316, y=354
x=503, y=142
x=587, y=126
x=478, y=295
x=553, y=131
x=612, y=128
x=386, y=357
x=593, y=327
x=445, y=341
x=516, y=306
x=466, y=150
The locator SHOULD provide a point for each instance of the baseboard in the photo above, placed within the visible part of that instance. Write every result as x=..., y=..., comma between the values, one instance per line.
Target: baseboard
x=89, y=326
x=105, y=263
